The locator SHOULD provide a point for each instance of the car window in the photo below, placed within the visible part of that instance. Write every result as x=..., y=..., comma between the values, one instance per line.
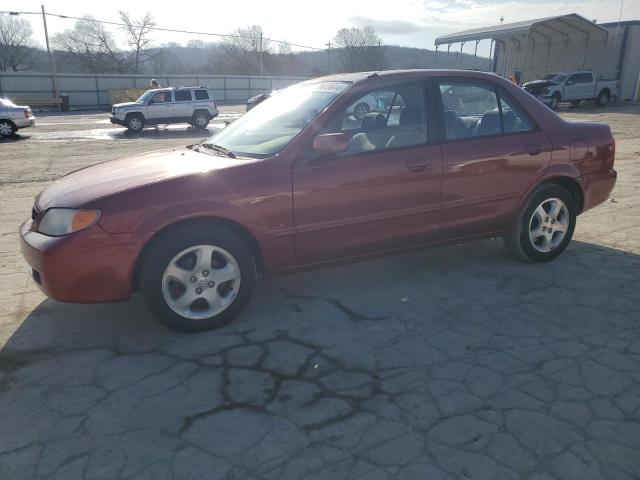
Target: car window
x=585, y=78
x=470, y=110
x=514, y=118
x=383, y=119
x=183, y=95
x=161, y=97
x=201, y=94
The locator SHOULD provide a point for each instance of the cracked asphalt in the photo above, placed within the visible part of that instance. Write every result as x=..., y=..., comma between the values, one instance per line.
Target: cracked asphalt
x=453, y=362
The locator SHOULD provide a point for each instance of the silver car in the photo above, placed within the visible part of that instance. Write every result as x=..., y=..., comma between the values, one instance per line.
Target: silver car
x=194, y=105
x=14, y=117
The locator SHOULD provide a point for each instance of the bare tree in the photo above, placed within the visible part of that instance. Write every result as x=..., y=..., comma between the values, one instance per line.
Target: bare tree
x=359, y=48
x=92, y=46
x=138, y=38
x=16, y=44
x=242, y=49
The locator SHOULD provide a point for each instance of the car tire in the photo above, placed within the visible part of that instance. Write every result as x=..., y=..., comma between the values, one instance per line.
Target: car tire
x=189, y=293
x=544, y=226
x=7, y=128
x=200, y=120
x=555, y=100
x=603, y=98
x=360, y=110
x=135, y=123
x=575, y=103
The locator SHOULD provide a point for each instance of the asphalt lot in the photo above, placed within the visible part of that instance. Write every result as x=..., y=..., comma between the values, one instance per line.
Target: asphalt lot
x=455, y=362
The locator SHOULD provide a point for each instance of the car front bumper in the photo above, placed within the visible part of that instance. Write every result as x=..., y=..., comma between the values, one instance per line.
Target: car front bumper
x=89, y=266
x=116, y=120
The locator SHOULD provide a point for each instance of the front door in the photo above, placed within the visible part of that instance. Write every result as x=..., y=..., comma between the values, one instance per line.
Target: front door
x=382, y=193
x=160, y=106
x=492, y=152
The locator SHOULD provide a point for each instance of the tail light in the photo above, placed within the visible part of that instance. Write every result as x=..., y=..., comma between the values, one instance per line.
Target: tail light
x=613, y=150
x=27, y=113
x=215, y=104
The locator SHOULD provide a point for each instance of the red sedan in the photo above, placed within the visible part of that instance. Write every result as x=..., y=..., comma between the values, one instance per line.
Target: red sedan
x=300, y=180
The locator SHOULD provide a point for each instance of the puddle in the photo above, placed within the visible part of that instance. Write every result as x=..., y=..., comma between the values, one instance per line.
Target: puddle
x=119, y=133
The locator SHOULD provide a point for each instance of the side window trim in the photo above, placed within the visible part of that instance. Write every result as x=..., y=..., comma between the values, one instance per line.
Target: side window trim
x=438, y=109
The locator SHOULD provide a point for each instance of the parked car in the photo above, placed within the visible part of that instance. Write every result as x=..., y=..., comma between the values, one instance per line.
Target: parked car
x=14, y=117
x=255, y=100
x=572, y=87
x=291, y=185
x=194, y=105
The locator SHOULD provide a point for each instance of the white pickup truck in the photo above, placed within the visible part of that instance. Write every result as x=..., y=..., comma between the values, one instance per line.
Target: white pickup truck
x=572, y=87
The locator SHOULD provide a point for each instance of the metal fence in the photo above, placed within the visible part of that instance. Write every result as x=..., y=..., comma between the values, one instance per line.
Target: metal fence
x=93, y=91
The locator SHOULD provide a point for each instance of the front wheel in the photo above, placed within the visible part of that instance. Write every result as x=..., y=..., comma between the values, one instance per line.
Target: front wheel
x=198, y=278
x=555, y=100
x=545, y=226
x=135, y=123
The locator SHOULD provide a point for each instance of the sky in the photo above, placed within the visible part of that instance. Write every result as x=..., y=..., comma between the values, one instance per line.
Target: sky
x=413, y=23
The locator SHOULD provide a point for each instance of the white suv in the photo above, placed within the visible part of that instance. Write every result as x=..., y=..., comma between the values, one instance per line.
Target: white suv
x=194, y=105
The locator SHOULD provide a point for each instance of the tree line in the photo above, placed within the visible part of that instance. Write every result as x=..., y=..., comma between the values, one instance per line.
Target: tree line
x=90, y=47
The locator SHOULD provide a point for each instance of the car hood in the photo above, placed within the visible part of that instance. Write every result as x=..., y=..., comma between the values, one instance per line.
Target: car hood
x=126, y=104
x=81, y=187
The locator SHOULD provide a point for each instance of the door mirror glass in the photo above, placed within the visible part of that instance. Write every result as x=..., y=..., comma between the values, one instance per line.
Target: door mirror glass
x=331, y=143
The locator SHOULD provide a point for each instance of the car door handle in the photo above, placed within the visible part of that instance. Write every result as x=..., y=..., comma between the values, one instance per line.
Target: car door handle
x=417, y=164
x=532, y=149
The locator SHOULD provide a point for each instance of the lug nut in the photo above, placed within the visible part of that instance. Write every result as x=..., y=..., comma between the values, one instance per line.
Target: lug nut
x=193, y=279
x=546, y=219
x=205, y=273
x=553, y=221
x=210, y=284
x=198, y=290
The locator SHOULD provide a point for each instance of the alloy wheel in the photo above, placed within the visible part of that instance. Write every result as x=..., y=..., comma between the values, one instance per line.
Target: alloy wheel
x=548, y=225
x=5, y=129
x=201, y=281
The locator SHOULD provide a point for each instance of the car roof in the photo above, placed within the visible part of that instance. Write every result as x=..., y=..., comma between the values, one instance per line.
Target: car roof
x=403, y=74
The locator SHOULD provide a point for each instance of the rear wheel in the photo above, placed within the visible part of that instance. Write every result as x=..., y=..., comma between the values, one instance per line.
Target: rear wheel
x=198, y=278
x=200, y=119
x=603, y=98
x=7, y=128
x=545, y=226
x=135, y=123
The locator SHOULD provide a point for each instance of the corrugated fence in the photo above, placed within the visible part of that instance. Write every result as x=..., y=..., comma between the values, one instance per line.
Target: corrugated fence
x=92, y=91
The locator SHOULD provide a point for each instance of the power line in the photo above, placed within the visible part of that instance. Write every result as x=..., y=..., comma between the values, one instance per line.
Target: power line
x=162, y=29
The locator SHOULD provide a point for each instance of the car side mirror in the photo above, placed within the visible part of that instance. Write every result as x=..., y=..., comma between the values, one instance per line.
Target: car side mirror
x=331, y=143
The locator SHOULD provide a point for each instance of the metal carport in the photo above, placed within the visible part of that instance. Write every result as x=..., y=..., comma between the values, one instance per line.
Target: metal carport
x=540, y=46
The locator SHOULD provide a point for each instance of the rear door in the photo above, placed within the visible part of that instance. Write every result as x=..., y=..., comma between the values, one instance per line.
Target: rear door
x=492, y=152
x=160, y=106
x=383, y=192
x=183, y=103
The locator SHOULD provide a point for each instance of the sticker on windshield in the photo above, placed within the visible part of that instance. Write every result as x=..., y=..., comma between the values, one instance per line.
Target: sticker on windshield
x=331, y=87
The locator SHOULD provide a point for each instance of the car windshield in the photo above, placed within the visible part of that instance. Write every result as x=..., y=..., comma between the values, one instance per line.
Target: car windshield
x=269, y=127
x=145, y=96
x=555, y=77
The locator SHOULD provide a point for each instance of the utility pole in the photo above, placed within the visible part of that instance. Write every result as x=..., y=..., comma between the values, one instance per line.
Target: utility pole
x=56, y=91
x=328, y=58
x=260, y=53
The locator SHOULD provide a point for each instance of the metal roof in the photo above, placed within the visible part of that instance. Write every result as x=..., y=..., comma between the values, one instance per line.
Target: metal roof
x=562, y=26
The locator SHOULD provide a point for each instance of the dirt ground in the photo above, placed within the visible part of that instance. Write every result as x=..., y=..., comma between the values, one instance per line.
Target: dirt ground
x=455, y=362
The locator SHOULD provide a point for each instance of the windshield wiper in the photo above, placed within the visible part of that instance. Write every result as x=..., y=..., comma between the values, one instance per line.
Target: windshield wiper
x=218, y=149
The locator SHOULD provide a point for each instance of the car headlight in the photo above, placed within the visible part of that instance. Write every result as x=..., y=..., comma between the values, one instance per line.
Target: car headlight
x=62, y=221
